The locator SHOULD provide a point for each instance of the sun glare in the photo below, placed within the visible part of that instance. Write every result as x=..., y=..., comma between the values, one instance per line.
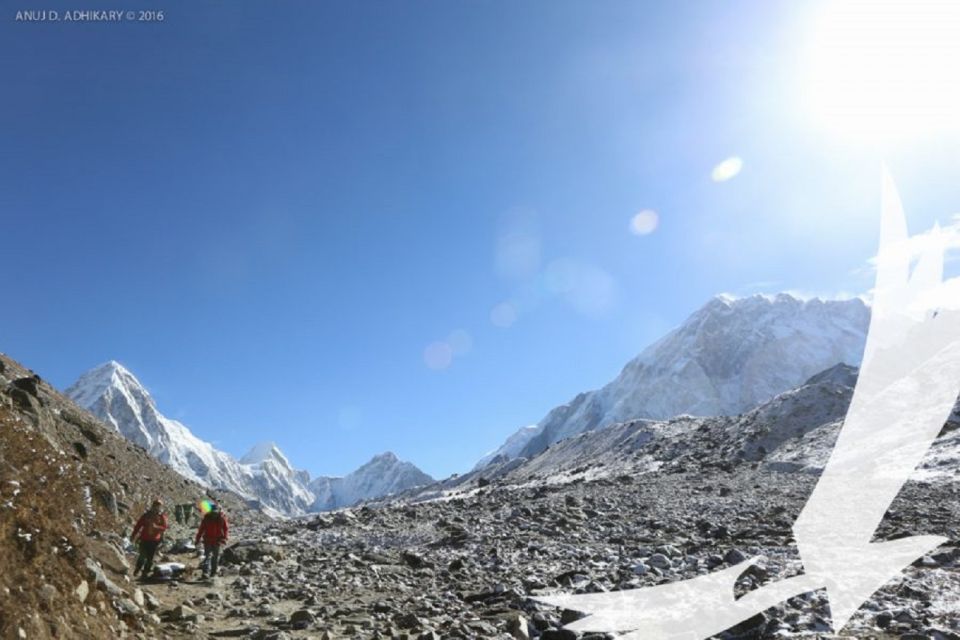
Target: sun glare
x=886, y=68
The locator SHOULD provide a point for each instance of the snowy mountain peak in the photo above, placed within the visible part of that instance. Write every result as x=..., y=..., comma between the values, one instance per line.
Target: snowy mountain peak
x=109, y=376
x=112, y=372
x=383, y=474
x=265, y=451
x=727, y=357
x=114, y=394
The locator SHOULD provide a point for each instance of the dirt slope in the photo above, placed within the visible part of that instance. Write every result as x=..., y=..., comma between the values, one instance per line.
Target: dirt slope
x=70, y=490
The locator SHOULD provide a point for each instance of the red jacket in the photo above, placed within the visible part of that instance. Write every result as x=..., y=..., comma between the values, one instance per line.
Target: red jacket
x=213, y=529
x=150, y=527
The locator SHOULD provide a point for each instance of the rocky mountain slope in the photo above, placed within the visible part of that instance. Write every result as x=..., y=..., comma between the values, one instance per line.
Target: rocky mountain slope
x=726, y=358
x=793, y=432
x=70, y=490
x=263, y=476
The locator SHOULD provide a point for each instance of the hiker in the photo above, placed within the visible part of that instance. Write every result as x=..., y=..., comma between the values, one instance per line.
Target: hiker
x=213, y=530
x=149, y=529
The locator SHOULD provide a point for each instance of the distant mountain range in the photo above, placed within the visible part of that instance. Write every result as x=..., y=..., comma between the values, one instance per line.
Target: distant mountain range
x=263, y=475
x=726, y=358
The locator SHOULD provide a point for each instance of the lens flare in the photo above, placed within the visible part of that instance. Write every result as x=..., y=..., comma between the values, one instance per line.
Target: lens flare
x=438, y=355
x=503, y=315
x=644, y=222
x=727, y=169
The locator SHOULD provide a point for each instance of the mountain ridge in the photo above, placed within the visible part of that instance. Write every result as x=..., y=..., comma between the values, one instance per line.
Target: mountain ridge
x=727, y=357
x=264, y=475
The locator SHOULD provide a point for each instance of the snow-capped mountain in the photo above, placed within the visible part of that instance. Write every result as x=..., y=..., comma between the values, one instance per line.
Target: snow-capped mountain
x=263, y=475
x=114, y=395
x=274, y=481
x=383, y=475
x=793, y=432
x=726, y=358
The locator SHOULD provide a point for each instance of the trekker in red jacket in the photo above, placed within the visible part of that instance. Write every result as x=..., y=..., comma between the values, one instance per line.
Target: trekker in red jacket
x=213, y=530
x=149, y=529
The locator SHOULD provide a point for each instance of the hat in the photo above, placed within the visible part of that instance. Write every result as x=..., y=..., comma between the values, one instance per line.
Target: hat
x=214, y=508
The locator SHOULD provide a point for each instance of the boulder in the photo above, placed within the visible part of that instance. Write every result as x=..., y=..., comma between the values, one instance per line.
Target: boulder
x=302, y=618
x=659, y=561
x=249, y=551
x=734, y=556
x=30, y=385
x=96, y=574
x=518, y=627
x=182, y=612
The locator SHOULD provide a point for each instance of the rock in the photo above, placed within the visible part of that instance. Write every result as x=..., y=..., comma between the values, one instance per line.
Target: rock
x=414, y=560
x=96, y=574
x=127, y=606
x=344, y=518
x=568, y=616
x=109, y=556
x=248, y=551
x=407, y=621
x=319, y=522
x=659, y=561
x=302, y=618
x=947, y=557
x=481, y=628
x=714, y=561
x=30, y=385
x=106, y=497
x=182, y=612
x=558, y=634
x=734, y=556
x=82, y=591
x=518, y=627
x=25, y=401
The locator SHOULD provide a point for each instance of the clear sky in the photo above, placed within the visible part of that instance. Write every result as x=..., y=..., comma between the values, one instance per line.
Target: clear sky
x=358, y=226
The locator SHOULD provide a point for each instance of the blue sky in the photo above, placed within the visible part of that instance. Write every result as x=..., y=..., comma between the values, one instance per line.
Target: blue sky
x=283, y=217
